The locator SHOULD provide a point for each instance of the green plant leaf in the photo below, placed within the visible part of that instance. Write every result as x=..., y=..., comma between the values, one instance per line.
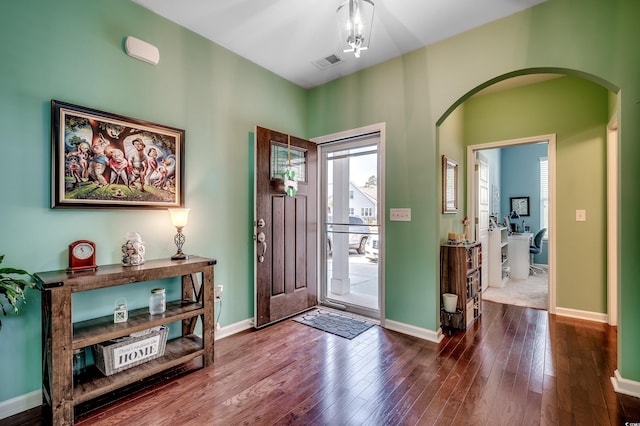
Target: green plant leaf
x=12, y=287
x=14, y=271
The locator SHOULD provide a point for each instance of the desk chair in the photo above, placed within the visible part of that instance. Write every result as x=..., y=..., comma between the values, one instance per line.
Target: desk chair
x=536, y=248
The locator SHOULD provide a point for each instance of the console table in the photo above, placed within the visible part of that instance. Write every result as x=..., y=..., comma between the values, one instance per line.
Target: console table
x=63, y=391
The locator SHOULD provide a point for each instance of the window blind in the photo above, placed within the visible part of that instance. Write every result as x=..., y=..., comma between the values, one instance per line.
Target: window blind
x=544, y=193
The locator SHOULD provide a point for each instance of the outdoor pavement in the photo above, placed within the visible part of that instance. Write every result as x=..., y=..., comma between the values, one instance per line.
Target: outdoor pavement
x=363, y=275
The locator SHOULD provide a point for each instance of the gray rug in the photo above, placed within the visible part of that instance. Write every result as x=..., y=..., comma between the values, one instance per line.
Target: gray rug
x=532, y=292
x=330, y=322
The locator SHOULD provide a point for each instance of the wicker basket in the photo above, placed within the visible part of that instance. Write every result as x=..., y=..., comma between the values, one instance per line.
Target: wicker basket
x=118, y=355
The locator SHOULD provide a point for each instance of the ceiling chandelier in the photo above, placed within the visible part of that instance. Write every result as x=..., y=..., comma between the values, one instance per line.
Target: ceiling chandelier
x=355, y=18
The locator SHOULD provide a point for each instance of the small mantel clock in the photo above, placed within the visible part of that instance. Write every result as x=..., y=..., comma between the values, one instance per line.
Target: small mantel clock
x=82, y=256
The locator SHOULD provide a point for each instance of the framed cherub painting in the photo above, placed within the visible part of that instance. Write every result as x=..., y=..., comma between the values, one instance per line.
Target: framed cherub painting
x=105, y=160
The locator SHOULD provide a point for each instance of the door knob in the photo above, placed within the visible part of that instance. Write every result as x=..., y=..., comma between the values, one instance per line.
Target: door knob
x=263, y=240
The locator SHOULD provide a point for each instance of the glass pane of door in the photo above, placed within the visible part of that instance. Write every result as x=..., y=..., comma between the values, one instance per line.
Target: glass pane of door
x=350, y=228
x=283, y=157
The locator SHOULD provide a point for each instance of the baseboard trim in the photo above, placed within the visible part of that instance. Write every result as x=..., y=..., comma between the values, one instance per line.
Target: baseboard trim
x=421, y=333
x=231, y=329
x=625, y=386
x=20, y=403
x=585, y=315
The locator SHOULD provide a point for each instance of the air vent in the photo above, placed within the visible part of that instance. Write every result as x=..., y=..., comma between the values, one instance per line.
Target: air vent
x=327, y=62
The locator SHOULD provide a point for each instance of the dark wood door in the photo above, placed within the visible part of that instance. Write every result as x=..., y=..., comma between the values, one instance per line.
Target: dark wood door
x=286, y=227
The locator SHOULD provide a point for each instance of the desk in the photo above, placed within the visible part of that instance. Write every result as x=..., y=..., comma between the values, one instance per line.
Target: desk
x=519, y=255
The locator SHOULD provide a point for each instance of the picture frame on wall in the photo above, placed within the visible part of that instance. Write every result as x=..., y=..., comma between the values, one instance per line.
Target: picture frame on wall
x=520, y=205
x=106, y=160
x=449, y=185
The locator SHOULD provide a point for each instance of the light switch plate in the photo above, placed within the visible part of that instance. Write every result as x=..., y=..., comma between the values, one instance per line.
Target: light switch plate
x=581, y=215
x=400, y=215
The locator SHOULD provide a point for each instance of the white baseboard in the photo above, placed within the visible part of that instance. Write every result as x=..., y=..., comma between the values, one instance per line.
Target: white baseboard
x=20, y=403
x=585, y=315
x=228, y=330
x=625, y=386
x=420, y=333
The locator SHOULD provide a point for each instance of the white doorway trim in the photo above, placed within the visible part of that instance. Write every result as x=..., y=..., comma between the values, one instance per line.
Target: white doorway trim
x=551, y=138
x=347, y=134
x=612, y=221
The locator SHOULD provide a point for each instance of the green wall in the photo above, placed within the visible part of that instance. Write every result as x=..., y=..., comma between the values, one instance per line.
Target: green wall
x=72, y=50
x=451, y=143
x=396, y=92
x=576, y=110
x=414, y=93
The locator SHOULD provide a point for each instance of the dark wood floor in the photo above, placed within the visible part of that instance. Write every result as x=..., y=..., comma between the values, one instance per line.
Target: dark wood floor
x=514, y=366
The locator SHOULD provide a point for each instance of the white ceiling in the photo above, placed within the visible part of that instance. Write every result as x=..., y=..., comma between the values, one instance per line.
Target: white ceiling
x=288, y=36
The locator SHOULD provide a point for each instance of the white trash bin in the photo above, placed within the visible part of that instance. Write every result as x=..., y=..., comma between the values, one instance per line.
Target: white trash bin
x=450, y=301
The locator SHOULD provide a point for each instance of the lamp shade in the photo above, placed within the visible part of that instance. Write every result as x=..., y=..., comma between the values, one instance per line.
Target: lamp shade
x=515, y=215
x=355, y=19
x=179, y=217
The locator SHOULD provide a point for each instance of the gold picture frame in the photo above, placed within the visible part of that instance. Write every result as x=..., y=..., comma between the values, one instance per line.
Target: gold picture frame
x=105, y=160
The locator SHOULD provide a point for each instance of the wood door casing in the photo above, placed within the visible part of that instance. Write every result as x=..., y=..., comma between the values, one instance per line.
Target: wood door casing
x=286, y=281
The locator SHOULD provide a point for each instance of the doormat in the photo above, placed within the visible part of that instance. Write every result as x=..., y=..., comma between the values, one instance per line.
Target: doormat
x=340, y=325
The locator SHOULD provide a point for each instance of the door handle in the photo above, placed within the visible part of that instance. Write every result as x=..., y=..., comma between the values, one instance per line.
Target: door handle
x=262, y=239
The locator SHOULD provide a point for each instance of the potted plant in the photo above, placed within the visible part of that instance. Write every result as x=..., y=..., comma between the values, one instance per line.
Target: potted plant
x=12, y=287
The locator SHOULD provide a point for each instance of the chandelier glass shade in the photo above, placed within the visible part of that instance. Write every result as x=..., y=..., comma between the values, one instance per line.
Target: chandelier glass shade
x=355, y=19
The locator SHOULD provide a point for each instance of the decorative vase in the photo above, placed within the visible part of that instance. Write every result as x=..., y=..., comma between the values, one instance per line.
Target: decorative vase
x=133, y=250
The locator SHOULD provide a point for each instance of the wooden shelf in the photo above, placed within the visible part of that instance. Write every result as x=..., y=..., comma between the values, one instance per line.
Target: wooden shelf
x=98, y=330
x=460, y=274
x=61, y=389
x=113, y=275
x=93, y=383
x=497, y=249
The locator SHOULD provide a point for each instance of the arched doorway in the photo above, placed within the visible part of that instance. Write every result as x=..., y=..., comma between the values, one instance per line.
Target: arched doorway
x=514, y=81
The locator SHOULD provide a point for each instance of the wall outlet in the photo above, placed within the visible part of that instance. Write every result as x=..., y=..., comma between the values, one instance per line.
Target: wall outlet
x=581, y=215
x=218, y=292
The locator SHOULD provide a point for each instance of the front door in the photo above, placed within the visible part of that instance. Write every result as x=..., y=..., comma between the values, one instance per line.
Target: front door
x=286, y=227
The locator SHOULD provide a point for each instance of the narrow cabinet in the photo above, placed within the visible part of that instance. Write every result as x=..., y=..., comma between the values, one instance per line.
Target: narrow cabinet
x=498, y=256
x=63, y=391
x=460, y=274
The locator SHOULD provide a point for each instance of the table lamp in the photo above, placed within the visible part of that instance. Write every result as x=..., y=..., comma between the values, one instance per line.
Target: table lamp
x=514, y=225
x=179, y=220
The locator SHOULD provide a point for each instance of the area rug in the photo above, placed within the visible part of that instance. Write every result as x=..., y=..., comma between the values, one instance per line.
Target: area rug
x=333, y=323
x=532, y=292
